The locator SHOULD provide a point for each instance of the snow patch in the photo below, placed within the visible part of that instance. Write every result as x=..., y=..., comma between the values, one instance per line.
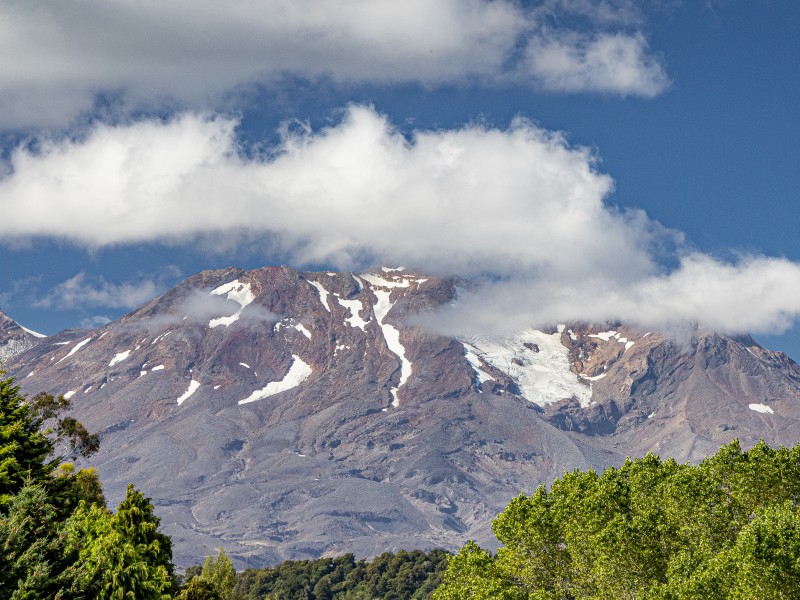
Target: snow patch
x=475, y=363
x=604, y=335
x=323, y=294
x=239, y=293
x=297, y=374
x=245, y=365
x=392, y=336
x=392, y=269
x=537, y=362
x=33, y=333
x=158, y=368
x=572, y=335
x=161, y=337
x=628, y=346
x=75, y=348
x=119, y=358
x=594, y=378
x=191, y=390
x=355, y=307
x=382, y=282
x=69, y=394
x=762, y=408
x=301, y=328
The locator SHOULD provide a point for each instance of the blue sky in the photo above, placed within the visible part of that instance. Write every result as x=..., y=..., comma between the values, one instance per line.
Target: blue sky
x=601, y=160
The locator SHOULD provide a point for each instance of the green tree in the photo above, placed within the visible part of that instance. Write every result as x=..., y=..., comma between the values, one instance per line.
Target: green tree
x=24, y=445
x=728, y=528
x=220, y=574
x=198, y=589
x=33, y=552
x=122, y=555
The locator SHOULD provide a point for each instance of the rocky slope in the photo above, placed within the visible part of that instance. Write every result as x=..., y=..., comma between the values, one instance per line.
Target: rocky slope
x=283, y=414
x=14, y=339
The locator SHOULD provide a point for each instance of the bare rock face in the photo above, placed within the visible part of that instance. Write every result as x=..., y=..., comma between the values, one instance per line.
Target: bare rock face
x=14, y=339
x=283, y=414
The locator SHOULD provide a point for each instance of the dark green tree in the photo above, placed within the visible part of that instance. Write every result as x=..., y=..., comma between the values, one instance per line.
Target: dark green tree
x=33, y=553
x=24, y=445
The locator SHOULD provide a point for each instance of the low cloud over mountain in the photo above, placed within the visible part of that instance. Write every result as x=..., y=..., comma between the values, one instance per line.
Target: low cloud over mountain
x=520, y=204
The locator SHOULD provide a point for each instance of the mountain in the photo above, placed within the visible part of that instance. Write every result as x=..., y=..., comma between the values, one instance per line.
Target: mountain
x=14, y=338
x=284, y=414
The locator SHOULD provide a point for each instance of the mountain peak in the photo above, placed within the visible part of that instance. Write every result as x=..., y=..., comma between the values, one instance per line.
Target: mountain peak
x=287, y=414
x=14, y=338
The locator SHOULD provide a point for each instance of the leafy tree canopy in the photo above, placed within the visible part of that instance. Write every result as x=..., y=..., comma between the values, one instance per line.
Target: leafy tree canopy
x=727, y=528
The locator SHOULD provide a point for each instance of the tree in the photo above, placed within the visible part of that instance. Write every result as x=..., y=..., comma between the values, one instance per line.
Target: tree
x=57, y=539
x=220, y=574
x=27, y=443
x=198, y=589
x=728, y=528
x=33, y=551
x=122, y=555
x=24, y=446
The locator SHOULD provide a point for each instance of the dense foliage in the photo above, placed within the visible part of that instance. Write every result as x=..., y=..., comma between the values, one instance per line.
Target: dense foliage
x=651, y=529
x=57, y=539
x=390, y=576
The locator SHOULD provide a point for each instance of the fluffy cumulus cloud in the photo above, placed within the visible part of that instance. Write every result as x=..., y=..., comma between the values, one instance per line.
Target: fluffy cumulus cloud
x=519, y=203
x=56, y=56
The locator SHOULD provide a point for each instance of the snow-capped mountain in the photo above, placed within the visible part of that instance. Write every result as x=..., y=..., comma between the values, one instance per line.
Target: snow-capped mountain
x=14, y=338
x=283, y=414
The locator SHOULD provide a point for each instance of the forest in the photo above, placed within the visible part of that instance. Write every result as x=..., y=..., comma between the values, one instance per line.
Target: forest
x=727, y=528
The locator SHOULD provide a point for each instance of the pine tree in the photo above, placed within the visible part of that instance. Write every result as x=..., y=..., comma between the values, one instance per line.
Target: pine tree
x=33, y=550
x=24, y=447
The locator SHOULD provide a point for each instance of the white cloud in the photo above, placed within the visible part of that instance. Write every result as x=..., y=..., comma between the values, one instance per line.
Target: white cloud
x=83, y=292
x=95, y=321
x=55, y=56
x=354, y=192
x=608, y=62
x=519, y=203
x=753, y=294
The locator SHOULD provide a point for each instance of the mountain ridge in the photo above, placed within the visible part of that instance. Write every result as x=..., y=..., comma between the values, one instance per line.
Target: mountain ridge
x=286, y=414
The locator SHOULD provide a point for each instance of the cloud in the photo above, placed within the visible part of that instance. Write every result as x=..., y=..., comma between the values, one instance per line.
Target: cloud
x=83, y=292
x=754, y=294
x=57, y=56
x=518, y=207
x=95, y=321
x=615, y=63
x=201, y=306
x=353, y=193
